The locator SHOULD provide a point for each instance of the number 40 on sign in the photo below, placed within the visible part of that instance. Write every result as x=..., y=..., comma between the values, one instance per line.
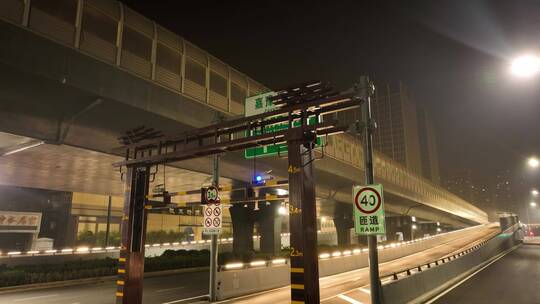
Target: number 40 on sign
x=368, y=204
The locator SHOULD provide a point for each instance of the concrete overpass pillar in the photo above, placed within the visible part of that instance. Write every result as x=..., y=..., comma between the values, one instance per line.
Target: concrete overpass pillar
x=243, y=218
x=426, y=228
x=343, y=222
x=399, y=226
x=270, y=227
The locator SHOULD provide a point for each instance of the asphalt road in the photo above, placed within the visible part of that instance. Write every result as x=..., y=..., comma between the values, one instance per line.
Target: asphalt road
x=159, y=290
x=515, y=279
x=156, y=290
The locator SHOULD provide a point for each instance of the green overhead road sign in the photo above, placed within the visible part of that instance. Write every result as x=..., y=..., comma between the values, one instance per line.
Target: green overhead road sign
x=261, y=103
x=368, y=204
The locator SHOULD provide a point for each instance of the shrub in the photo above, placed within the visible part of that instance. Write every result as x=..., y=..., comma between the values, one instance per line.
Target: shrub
x=28, y=274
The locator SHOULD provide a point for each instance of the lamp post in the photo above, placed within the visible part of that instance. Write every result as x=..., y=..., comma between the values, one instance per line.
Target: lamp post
x=533, y=162
x=525, y=66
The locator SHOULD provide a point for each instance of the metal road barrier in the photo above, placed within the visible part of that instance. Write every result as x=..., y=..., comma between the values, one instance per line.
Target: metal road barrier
x=423, y=282
x=238, y=278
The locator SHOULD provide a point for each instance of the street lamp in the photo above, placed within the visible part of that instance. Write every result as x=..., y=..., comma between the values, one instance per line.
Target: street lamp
x=534, y=192
x=533, y=162
x=532, y=204
x=525, y=66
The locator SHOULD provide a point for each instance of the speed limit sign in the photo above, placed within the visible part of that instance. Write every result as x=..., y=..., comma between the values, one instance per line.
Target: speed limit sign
x=210, y=195
x=369, y=210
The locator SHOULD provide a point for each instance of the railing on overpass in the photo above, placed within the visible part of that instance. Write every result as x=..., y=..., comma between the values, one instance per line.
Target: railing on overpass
x=115, y=34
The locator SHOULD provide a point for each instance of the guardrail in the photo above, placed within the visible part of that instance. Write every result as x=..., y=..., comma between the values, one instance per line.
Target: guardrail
x=410, y=271
x=336, y=254
x=422, y=267
x=419, y=286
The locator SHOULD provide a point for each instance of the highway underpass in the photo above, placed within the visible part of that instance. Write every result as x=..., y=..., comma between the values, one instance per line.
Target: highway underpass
x=168, y=289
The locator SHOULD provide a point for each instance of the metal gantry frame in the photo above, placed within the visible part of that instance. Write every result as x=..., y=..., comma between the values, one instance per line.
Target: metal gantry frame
x=296, y=104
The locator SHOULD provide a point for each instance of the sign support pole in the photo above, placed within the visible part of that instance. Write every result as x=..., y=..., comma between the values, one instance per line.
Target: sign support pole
x=302, y=219
x=365, y=88
x=131, y=261
x=212, y=293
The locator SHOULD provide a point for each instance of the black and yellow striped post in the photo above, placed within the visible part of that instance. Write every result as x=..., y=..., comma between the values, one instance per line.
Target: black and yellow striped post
x=302, y=219
x=131, y=262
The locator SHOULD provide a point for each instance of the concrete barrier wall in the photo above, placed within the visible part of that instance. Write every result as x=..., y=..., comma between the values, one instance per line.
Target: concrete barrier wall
x=347, y=263
x=423, y=285
x=234, y=283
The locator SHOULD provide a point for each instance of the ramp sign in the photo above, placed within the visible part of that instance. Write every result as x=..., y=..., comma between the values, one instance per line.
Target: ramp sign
x=369, y=210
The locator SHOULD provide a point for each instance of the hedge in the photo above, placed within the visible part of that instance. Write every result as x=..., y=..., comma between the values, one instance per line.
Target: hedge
x=30, y=274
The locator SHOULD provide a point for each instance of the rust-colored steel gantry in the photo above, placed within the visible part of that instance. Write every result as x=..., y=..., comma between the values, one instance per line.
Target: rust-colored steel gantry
x=296, y=105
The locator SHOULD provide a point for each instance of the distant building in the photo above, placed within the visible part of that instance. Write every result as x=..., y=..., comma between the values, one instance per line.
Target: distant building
x=459, y=182
x=477, y=190
x=505, y=191
x=429, y=154
x=405, y=132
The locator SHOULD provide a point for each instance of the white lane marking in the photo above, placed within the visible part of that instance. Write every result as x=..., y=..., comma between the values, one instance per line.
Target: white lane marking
x=251, y=295
x=469, y=276
x=365, y=290
x=185, y=300
x=349, y=299
x=169, y=289
x=33, y=298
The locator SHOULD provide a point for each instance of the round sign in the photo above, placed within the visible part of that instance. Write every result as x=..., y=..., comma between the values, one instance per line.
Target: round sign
x=217, y=221
x=368, y=200
x=208, y=222
x=217, y=211
x=208, y=211
x=212, y=194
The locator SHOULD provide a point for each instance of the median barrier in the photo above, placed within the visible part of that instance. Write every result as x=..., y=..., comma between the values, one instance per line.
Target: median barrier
x=244, y=281
x=233, y=283
x=420, y=286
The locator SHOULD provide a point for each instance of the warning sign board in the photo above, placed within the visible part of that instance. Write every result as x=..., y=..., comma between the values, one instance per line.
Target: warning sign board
x=368, y=204
x=212, y=212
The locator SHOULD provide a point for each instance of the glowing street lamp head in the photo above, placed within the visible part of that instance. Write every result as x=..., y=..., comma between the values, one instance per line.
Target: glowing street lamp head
x=533, y=162
x=525, y=66
x=534, y=192
x=533, y=204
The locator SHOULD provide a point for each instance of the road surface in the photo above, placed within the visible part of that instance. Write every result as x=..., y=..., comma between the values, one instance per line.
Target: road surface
x=515, y=278
x=156, y=290
x=159, y=290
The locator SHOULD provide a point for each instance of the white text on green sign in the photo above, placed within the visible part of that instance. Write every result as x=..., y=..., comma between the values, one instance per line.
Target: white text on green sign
x=261, y=103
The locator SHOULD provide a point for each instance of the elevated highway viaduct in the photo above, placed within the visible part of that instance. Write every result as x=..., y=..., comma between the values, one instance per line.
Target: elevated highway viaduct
x=76, y=75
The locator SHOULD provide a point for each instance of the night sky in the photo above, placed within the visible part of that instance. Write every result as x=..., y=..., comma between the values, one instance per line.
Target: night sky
x=453, y=55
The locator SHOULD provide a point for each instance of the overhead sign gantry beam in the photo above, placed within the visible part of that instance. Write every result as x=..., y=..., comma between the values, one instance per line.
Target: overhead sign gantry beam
x=296, y=106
